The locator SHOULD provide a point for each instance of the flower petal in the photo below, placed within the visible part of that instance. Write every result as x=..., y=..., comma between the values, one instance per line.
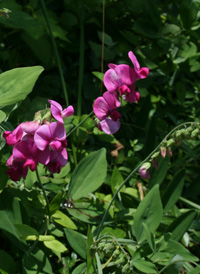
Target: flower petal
x=101, y=108
x=109, y=126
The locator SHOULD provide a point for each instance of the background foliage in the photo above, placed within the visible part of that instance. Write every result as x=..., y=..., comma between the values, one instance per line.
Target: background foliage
x=159, y=233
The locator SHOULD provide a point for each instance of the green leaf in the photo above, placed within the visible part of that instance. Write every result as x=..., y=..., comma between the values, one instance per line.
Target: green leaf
x=7, y=263
x=149, y=212
x=55, y=245
x=158, y=176
x=173, y=190
x=24, y=231
x=2, y=116
x=77, y=241
x=62, y=219
x=144, y=266
x=116, y=179
x=149, y=237
x=80, y=269
x=99, y=75
x=36, y=262
x=55, y=203
x=181, y=224
x=88, y=175
x=17, y=83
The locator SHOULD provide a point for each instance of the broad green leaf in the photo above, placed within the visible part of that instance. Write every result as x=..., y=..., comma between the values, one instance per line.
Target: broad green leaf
x=80, y=269
x=17, y=83
x=149, y=212
x=173, y=247
x=116, y=179
x=144, y=266
x=62, y=219
x=181, y=224
x=77, y=241
x=55, y=203
x=36, y=262
x=88, y=175
x=24, y=231
x=55, y=245
x=149, y=237
x=7, y=263
x=173, y=190
x=158, y=176
x=196, y=270
x=2, y=116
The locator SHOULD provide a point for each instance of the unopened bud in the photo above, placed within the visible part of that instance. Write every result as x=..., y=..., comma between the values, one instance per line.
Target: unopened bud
x=169, y=151
x=163, y=151
x=144, y=170
x=187, y=132
x=155, y=163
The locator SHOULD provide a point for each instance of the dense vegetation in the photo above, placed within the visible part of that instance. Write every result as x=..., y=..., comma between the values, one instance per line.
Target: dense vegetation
x=57, y=222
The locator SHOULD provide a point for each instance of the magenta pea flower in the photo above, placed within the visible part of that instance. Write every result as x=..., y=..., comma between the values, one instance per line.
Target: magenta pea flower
x=49, y=137
x=123, y=77
x=58, y=113
x=13, y=137
x=105, y=109
x=144, y=171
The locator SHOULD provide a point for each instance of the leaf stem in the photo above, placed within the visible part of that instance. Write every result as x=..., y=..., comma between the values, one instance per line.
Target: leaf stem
x=43, y=191
x=134, y=170
x=55, y=51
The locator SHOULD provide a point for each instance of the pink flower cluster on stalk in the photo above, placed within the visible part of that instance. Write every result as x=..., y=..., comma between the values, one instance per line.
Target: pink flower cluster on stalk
x=39, y=141
x=119, y=81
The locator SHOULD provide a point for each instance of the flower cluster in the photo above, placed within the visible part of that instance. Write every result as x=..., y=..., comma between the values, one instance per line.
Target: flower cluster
x=119, y=81
x=39, y=141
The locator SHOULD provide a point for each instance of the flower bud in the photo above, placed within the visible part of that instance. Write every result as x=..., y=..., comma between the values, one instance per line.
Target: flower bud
x=120, y=261
x=108, y=247
x=155, y=163
x=169, y=152
x=144, y=170
x=163, y=151
x=116, y=253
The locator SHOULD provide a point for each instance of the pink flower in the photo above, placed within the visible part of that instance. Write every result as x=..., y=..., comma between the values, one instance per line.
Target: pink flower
x=49, y=138
x=58, y=113
x=24, y=156
x=144, y=171
x=57, y=160
x=123, y=77
x=13, y=137
x=105, y=110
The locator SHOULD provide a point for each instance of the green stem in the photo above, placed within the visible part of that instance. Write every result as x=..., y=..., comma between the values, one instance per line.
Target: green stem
x=44, y=193
x=188, y=202
x=132, y=172
x=55, y=51
x=80, y=123
x=81, y=60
